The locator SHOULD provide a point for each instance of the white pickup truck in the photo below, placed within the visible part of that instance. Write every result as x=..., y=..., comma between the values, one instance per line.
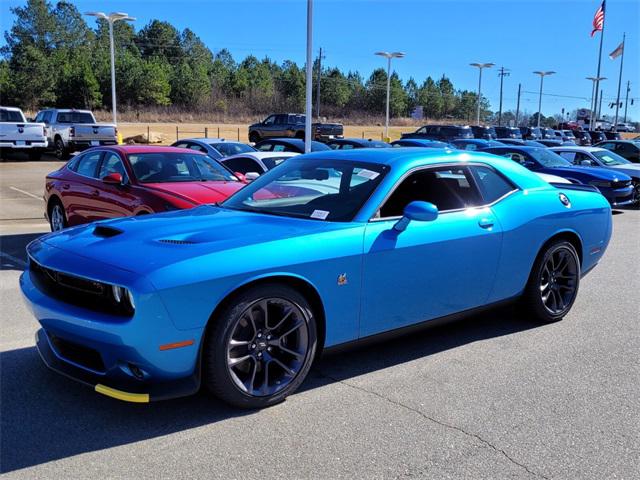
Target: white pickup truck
x=70, y=130
x=17, y=134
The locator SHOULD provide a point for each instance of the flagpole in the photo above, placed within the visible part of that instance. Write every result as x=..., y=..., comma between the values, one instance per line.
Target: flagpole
x=615, y=124
x=604, y=20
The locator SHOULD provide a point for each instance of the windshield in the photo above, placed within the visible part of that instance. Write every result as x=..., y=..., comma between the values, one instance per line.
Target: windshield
x=547, y=158
x=11, y=116
x=164, y=167
x=609, y=158
x=332, y=190
x=75, y=117
x=229, y=148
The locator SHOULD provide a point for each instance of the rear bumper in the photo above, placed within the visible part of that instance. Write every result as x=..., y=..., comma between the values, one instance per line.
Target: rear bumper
x=77, y=145
x=26, y=145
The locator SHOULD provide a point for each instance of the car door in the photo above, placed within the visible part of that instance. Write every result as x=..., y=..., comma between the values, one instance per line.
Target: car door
x=268, y=127
x=114, y=200
x=431, y=269
x=80, y=193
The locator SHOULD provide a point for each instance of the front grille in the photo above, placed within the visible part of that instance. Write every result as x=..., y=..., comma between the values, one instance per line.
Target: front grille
x=621, y=184
x=78, y=354
x=82, y=292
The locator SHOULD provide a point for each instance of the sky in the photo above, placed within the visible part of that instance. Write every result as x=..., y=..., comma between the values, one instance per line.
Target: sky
x=439, y=38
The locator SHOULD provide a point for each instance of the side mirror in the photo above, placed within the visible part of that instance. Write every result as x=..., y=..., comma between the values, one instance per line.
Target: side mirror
x=585, y=163
x=112, y=179
x=240, y=176
x=418, y=211
x=251, y=176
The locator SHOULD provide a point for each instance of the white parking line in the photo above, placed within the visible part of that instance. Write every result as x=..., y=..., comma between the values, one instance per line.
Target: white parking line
x=15, y=260
x=26, y=193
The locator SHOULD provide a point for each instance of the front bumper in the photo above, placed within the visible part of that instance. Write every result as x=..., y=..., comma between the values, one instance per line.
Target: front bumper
x=117, y=356
x=620, y=197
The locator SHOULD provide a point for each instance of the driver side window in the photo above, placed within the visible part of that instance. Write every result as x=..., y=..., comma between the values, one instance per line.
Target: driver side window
x=448, y=188
x=517, y=157
x=113, y=164
x=270, y=120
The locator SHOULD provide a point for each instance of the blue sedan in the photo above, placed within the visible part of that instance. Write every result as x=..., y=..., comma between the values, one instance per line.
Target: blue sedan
x=615, y=186
x=420, y=142
x=323, y=250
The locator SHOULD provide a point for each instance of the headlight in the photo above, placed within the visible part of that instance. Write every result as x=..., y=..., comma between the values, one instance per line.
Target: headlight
x=600, y=184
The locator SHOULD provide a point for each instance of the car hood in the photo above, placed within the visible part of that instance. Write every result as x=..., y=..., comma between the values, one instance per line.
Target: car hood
x=631, y=170
x=197, y=192
x=150, y=242
x=595, y=172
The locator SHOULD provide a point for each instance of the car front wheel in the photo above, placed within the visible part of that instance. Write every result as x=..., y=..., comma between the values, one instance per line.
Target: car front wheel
x=261, y=347
x=553, y=283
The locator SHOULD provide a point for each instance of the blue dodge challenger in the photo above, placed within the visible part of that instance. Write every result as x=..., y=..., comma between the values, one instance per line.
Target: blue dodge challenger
x=325, y=249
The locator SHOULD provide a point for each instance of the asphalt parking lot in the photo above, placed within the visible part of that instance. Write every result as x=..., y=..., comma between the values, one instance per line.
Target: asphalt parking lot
x=491, y=396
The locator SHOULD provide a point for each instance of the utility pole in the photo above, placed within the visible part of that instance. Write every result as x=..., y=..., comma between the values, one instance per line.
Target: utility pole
x=626, y=101
x=320, y=57
x=518, y=105
x=503, y=73
x=615, y=122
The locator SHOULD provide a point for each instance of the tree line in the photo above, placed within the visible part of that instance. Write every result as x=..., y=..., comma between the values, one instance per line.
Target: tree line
x=52, y=57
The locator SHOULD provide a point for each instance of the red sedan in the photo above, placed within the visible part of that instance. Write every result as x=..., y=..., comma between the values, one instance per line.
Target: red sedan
x=120, y=181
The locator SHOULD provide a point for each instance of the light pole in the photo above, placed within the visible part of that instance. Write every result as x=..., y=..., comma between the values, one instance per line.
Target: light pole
x=595, y=81
x=111, y=19
x=542, y=75
x=388, y=56
x=308, y=80
x=480, y=66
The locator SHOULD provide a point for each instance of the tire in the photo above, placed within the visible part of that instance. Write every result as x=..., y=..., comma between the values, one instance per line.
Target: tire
x=61, y=152
x=254, y=137
x=553, y=283
x=57, y=216
x=266, y=362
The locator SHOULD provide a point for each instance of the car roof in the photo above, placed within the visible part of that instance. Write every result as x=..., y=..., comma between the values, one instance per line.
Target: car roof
x=578, y=148
x=398, y=156
x=132, y=149
x=260, y=155
x=525, y=148
x=208, y=140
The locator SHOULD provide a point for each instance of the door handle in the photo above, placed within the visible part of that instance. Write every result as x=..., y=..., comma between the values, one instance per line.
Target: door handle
x=486, y=222
x=65, y=186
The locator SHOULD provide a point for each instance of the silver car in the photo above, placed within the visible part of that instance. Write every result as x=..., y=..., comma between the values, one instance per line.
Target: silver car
x=254, y=164
x=217, y=148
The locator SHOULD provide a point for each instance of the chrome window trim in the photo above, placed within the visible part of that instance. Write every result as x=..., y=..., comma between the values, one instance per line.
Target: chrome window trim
x=426, y=167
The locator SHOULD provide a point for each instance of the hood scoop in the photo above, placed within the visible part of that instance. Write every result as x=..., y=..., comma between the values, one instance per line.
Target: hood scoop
x=175, y=241
x=106, y=232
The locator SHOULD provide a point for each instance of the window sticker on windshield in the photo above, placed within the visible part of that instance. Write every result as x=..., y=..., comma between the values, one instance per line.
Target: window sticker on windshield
x=370, y=174
x=320, y=214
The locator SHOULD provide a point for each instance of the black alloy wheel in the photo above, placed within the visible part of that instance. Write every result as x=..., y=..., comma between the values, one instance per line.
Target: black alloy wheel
x=553, y=284
x=260, y=349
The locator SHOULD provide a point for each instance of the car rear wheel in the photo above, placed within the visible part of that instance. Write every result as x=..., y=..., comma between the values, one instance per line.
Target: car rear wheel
x=553, y=283
x=254, y=137
x=60, y=150
x=57, y=217
x=261, y=347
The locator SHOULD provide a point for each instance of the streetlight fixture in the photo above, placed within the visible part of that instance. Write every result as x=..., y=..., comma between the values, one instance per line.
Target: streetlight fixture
x=111, y=19
x=542, y=75
x=595, y=81
x=388, y=56
x=480, y=66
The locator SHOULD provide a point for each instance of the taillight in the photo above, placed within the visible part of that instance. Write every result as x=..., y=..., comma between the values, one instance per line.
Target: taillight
x=72, y=131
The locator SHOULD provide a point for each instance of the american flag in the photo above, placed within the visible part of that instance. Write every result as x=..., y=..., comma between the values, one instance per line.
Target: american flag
x=598, y=19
